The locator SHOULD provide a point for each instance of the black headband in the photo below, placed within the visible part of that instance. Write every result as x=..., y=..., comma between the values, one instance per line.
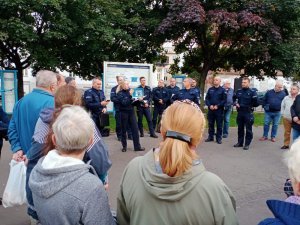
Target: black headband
x=178, y=136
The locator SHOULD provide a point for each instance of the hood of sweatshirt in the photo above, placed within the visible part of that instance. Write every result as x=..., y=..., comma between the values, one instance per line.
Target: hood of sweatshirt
x=46, y=181
x=46, y=115
x=165, y=187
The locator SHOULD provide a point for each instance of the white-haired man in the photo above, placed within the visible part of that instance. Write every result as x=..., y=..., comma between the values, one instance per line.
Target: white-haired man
x=26, y=113
x=272, y=106
x=227, y=107
x=64, y=191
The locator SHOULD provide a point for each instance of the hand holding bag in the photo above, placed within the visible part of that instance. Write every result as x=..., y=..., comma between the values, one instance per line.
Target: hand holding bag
x=15, y=192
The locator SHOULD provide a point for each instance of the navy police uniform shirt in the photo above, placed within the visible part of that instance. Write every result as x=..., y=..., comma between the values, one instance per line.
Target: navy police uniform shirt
x=190, y=94
x=216, y=96
x=114, y=99
x=147, y=94
x=160, y=93
x=246, y=98
x=93, y=99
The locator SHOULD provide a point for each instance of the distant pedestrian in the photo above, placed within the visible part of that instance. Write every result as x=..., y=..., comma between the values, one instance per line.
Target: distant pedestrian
x=286, y=104
x=272, y=106
x=170, y=185
x=4, y=122
x=295, y=113
x=227, y=107
x=215, y=100
x=64, y=191
x=245, y=99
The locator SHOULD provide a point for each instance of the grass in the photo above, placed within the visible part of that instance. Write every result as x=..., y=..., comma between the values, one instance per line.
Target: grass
x=258, y=120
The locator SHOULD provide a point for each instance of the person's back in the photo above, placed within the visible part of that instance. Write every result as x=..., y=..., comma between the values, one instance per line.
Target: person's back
x=68, y=194
x=63, y=190
x=170, y=185
x=26, y=112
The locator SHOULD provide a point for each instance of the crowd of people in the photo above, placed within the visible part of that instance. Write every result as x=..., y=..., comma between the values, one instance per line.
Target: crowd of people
x=68, y=161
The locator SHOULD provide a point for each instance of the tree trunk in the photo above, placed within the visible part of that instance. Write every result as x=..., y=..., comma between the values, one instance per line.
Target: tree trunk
x=20, y=82
x=202, y=79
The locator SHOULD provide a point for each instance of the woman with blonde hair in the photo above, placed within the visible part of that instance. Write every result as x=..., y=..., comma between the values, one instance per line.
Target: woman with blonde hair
x=170, y=185
x=124, y=97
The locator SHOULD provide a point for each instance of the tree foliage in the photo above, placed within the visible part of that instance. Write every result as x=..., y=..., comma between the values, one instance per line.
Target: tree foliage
x=257, y=37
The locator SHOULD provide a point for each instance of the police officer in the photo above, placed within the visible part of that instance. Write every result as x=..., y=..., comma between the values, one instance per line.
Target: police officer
x=245, y=99
x=124, y=96
x=194, y=85
x=113, y=98
x=187, y=92
x=143, y=108
x=172, y=90
x=160, y=98
x=95, y=102
x=215, y=100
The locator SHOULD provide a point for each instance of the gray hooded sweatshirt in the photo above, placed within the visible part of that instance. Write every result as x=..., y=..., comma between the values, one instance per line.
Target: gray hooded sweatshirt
x=149, y=197
x=69, y=196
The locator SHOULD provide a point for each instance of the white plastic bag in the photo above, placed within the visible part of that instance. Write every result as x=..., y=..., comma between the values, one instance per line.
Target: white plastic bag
x=15, y=192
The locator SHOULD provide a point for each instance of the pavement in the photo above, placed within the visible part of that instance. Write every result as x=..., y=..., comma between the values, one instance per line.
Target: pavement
x=253, y=176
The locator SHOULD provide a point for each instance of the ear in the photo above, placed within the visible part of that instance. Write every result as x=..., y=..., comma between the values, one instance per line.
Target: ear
x=53, y=140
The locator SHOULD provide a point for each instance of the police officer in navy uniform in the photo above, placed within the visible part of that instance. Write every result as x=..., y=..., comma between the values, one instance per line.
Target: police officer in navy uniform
x=194, y=85
x=245, y=100
x=124, y=96
x=95, y=102
x=215, y=100
x=187, y=92
x=113, y=98
x=143, y=108
x=172, y=90
x=160, y=98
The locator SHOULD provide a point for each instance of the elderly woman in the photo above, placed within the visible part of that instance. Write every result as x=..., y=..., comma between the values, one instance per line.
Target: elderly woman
x=287, y=212
x=63, y=189
x=170, y=185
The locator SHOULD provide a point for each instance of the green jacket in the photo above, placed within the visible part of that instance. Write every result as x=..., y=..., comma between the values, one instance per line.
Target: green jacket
x=149, y=197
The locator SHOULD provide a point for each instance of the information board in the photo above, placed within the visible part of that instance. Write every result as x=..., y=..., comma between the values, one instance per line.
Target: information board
x=130, y=71
x=9, y=92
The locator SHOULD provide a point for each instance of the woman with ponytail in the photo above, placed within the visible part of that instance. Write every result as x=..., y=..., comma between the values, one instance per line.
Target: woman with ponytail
x=170, y=185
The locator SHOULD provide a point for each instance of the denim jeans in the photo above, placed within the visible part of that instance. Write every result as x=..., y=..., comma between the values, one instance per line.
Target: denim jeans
x=227, y=114
x=296, y=134
x=274, y=118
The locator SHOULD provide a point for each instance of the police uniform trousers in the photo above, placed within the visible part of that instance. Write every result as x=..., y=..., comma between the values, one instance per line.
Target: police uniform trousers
x=128, y=118
x=245, y=119
x=157, y=112
x=118, y=125
x=144, y=111
x=215, y=116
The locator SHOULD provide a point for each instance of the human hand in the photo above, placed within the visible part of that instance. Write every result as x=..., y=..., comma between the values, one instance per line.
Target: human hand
x=216, y=107
x=295, y=119
x=104, y=103
x=237, y=105
x=211, y=107
x=146, y=105
x=104, y=110
x=106, y=186
x=161, y=101
x=141, y=98
x=131, y=91
x=19, y=156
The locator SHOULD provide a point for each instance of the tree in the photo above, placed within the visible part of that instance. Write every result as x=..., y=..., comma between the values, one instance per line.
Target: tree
x=258, y=37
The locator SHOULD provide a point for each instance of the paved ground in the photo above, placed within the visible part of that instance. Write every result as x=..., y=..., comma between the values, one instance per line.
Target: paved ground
x=253, y=176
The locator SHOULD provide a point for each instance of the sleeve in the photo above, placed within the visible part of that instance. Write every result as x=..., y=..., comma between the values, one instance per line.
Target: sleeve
x=293, y=111
x=13, y=135
x=154, y=96
x=207, y=99
x=254, y=99
x=150, y=96
x=197, y=98
x=174, y=97
x=96, y=209
x=98, y=154
x=166, y=98
x=90, y=103
x=265, y=99
x=113, y=96
x=283, y=105
x=123, y=216
x=223, y=99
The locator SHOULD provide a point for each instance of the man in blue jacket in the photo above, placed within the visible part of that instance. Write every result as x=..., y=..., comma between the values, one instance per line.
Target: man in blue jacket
x=215, y=100
x=272, y=105
x=26, y=113
x=188, y=92
x=173, y=90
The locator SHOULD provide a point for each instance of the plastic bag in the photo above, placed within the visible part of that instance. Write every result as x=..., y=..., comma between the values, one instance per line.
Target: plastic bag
x=15, y=192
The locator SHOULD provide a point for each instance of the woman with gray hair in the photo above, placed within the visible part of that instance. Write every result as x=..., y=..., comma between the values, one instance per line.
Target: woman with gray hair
x=288, y=211
x=64, y=191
